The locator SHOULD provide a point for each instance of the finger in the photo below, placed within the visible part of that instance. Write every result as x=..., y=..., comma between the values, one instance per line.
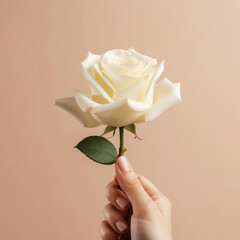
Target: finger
x=115, y=180
x=161, y=200
x=117, y=197
x=131, y=185
x=106, y=231
x=115, y=218
x=150, y=188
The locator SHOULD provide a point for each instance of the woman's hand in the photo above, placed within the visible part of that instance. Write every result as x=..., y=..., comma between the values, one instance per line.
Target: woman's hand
x=137, y=210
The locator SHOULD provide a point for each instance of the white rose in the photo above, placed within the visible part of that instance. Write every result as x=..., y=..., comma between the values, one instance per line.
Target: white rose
x=124, y=90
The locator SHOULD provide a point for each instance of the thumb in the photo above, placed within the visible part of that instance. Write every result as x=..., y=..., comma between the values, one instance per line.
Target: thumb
x=131, y=185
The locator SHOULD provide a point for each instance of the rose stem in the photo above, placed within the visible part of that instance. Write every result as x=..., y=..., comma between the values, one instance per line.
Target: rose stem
x=121, y=152
x=121, y=135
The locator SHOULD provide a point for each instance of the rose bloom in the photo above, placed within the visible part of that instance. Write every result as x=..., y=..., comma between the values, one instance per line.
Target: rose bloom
x=124, y=90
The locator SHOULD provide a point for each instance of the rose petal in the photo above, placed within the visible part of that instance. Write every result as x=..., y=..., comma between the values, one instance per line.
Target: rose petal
x=121, y=80
x=89, y=72
x=103, y=81
x=69, y=104
x=135, y=92
x=141, y=56
x=120, y=61
x=120, y=113
x=88, y=103
x=166, y=95
x=141, y=90
x=84, y=102
x=150, y=90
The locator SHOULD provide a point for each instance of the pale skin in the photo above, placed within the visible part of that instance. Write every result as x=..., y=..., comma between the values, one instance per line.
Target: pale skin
x=137, y=210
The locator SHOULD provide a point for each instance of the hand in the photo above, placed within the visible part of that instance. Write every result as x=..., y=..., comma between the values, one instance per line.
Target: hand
x=137, y=209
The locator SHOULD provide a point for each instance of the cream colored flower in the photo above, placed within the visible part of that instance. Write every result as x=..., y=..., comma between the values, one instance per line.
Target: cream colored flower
x=124, y=90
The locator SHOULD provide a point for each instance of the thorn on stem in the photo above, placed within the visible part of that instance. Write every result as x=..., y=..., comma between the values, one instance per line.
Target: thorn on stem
x=137, y=137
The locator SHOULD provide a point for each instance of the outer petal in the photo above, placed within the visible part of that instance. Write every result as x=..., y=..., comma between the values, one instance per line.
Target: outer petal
x=89, y=73
x=69, y=104
x=84, y=102
x=120, y=113
x=166, y=95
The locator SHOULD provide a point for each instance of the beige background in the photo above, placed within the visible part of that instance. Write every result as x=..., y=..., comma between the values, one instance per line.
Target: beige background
x=48, y=190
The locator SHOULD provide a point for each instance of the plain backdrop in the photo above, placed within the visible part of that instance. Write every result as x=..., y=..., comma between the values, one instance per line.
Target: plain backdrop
x=48, y=189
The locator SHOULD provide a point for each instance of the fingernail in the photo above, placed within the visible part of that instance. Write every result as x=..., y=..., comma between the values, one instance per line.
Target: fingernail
x=121, y=202
x=121, y=226
x=123, y=164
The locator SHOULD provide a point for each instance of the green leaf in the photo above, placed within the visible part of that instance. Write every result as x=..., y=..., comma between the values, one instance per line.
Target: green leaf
x=109, y=129
x=99, y=149
x=131, y=128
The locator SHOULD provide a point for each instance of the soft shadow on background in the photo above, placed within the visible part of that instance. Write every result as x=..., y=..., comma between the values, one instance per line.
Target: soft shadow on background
x=48, y=190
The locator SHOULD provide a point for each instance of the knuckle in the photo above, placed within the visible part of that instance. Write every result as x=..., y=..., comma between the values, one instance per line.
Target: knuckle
x=166, y=200
x=106, y=232
x=102, y=226
x=150, y=207
x=107, y=235
x=107, y=210
x=148, y=210
x=132, y=181
x=108, y=195
x=103, y=229
x=109, y=185
x=110, y=191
